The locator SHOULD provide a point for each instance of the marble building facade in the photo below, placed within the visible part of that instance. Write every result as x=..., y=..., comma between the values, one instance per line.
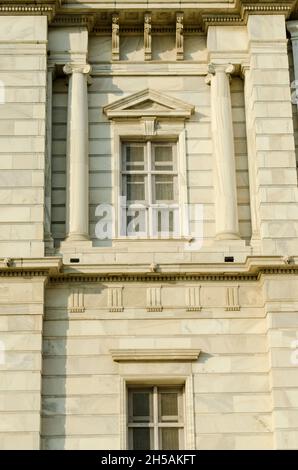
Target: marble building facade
x=116, y=331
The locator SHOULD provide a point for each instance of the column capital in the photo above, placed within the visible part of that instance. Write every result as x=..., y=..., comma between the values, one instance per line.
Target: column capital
x=51, y=68
x=244, y=68
x=223, y=68
x=292, y=27
x=76, y=68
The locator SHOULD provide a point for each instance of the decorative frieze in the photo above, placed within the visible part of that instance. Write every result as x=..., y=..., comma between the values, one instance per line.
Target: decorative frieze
x=154, y=299
x=147, y=37
x=115, y=299
x=76, y=301
x=193, y=298
x=232, y=298
x=115, y=37
x=179, y=36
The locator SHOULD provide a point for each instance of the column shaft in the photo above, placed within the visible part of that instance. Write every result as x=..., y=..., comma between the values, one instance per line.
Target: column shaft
x=227, y=227
x=77, y=154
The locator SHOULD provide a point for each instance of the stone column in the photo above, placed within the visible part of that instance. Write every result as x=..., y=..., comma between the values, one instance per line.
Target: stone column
x=292, y=27
x=227, y=227
x=77, y=225
x=48, y=158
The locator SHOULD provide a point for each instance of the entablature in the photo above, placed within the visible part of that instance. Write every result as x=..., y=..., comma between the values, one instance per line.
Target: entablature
x=97, y=15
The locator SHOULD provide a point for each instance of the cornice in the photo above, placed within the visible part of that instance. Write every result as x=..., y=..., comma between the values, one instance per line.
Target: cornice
x=148, y=277
x=198, y=17
x=58, y=273
x=63, y=20
x=152, y=355
x=30, y=267
x=246, y=8
x=29, y=7
x=171, y=277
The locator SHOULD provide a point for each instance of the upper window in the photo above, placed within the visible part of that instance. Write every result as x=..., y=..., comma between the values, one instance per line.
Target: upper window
x=155, y=418
x=150, y=188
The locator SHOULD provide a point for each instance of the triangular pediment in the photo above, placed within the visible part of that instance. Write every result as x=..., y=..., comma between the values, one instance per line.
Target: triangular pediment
x=148, y=103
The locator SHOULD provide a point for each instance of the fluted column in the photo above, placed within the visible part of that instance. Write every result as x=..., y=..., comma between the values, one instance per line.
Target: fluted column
x=77, y=225
x=227, y=227
x=48, y=158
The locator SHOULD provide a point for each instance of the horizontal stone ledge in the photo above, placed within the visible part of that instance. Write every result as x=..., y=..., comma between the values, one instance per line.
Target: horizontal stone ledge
x=60, y=272
x=140, y=355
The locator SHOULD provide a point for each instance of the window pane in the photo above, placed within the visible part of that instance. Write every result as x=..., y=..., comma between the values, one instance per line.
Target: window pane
x=134, y=157
x=164, y=188
x=135, y=187
x=141, y=439
x=165, y=220
x=141, y=406
x=135, y=221
x=169, y=406
x=169, y=438
x=163, y=158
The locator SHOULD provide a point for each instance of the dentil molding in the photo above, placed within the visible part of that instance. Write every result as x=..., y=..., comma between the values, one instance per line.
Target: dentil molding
x=97, y=17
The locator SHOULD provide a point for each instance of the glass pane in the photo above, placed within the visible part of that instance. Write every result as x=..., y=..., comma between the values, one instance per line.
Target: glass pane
x=169, y=406
x=163, y=158
x=165, y=221
x=141, y=406
x=135, y=222
x=164, y=188
x=134, y=158
x=141, y=439
x=169, y=438
x=135, y=185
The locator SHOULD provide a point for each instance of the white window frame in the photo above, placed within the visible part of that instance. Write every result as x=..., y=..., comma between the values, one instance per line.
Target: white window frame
x=150, y=206
x=134, y=130
x=156, y=425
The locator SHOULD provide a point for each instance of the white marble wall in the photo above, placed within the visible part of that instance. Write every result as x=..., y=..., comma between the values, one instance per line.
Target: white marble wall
x=21, y=316
x=81, y=386
x=22, y=134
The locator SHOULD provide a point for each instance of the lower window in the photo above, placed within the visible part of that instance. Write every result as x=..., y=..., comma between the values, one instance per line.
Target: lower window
x=155, y=418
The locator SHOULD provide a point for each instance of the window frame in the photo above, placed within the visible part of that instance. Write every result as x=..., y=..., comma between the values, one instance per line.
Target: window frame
x=155, y=423
x=150, y=205
x=168, y=130
x=138, y=377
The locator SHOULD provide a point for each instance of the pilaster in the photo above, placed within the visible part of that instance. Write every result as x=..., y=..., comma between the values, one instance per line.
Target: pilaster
x=269, y=115
x=280, y=303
